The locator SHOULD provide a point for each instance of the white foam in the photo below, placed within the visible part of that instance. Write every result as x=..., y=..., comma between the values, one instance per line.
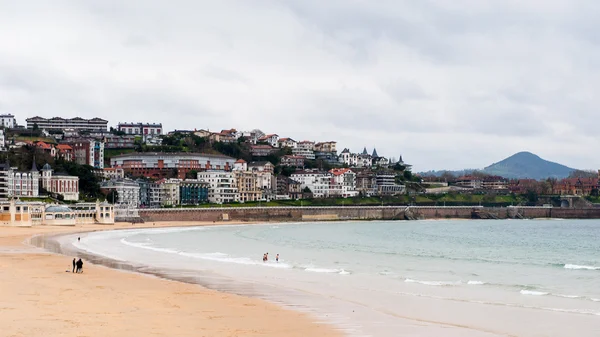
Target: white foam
x=343, y=272
x=566, y=296
x=533, y=293
x=216, y=256
x=432, y=283
x=579, y=267
x=220, y=257
x=476, y=283
x=145, y=245
x=595, y=299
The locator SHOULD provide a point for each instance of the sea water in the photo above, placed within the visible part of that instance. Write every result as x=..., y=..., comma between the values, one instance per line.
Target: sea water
x=394, y=278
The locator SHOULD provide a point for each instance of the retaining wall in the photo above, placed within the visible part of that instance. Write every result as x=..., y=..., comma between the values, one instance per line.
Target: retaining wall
x=282, y=214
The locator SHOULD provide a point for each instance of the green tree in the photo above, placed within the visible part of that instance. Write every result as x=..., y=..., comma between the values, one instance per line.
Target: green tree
x=112, y=196
x=192, y=174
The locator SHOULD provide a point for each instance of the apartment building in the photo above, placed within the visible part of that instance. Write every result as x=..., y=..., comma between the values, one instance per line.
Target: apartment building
x=223, y=186
x=247, y=185
x=169, y=192
x=59, y=123
x=193, y=192
x=88, y=152
x=141, y=129
x=161, y=164
x=8, y=121
x=343, y=182
x=318, y=182
x=128, y=192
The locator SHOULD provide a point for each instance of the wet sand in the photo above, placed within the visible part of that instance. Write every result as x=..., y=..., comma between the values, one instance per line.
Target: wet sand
x=41, y=297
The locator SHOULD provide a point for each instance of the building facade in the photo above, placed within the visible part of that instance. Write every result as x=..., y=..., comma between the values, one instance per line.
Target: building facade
x=64, y=185
x=287, y=142
x=223, y=186
x=88, y=152
x=169, y=192
x=8, y=121
x=295, y=161
x=141, y=128
x=160, y=165
x=262, y=150
x=344, y=182
x=24, y=184
x=58, y=123
x=247, y=185
x=119, y=142
x=149, y=194
x=193, y=192
x=318, y=182
x=128, y=192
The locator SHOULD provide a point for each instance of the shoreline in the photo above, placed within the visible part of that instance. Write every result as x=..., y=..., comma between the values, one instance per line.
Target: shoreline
x=145, y=297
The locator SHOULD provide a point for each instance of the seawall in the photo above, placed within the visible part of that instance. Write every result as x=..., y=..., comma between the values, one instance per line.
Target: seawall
x=285, y=214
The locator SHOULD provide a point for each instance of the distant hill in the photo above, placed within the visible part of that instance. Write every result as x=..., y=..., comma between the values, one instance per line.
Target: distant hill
x=528, y=165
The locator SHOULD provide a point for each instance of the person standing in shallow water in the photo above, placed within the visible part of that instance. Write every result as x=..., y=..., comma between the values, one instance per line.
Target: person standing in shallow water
x=277, y=258
x=74, y=262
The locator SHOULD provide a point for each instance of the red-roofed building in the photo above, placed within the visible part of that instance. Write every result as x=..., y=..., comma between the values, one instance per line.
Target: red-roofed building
x=575, y=186
x=287, y=142
x=65, y=152
x=343, y=183
x=240, y=165
x=271, y=139
x=48, y=148
x=225, y=136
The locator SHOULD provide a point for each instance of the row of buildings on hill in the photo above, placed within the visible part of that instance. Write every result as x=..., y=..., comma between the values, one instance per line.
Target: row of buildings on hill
x=251, y=182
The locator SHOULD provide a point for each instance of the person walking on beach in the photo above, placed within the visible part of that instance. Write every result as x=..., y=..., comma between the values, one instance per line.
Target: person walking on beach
x=74, y=262
x=79, y=266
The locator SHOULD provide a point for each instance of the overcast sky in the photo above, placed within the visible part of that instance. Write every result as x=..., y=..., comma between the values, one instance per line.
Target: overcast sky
x=447, y=84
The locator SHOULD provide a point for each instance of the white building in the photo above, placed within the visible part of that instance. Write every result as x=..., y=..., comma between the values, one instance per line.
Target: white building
x=223, y=186
x=287, y=142
x=318, y=182
x=305, y=149
x=8, y=121
x=112, y=173
x=343, y=183
x=24, y=184
x=356, y=160
x=240, y=165
x=2, y=141
x=272, y=139
x=141, y=128
x=128, y=192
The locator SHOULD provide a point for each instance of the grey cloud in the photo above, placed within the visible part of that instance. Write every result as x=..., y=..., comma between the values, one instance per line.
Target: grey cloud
x=408, y=77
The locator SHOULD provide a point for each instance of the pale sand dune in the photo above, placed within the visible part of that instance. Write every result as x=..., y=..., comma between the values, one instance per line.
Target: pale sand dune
x=39, y=298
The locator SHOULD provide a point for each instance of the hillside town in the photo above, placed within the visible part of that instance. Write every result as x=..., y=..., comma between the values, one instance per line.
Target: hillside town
x=141, y=165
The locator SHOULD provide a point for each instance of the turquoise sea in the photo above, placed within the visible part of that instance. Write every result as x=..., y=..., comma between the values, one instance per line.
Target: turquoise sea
x=393, y=278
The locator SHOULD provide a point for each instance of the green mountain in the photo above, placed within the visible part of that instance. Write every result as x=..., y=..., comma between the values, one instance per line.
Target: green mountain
x=528, y=165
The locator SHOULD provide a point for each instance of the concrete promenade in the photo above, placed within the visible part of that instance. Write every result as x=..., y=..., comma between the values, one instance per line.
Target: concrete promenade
x=315, y=213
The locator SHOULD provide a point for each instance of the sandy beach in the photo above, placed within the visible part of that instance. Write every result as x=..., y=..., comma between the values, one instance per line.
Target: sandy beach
x=41, y=297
